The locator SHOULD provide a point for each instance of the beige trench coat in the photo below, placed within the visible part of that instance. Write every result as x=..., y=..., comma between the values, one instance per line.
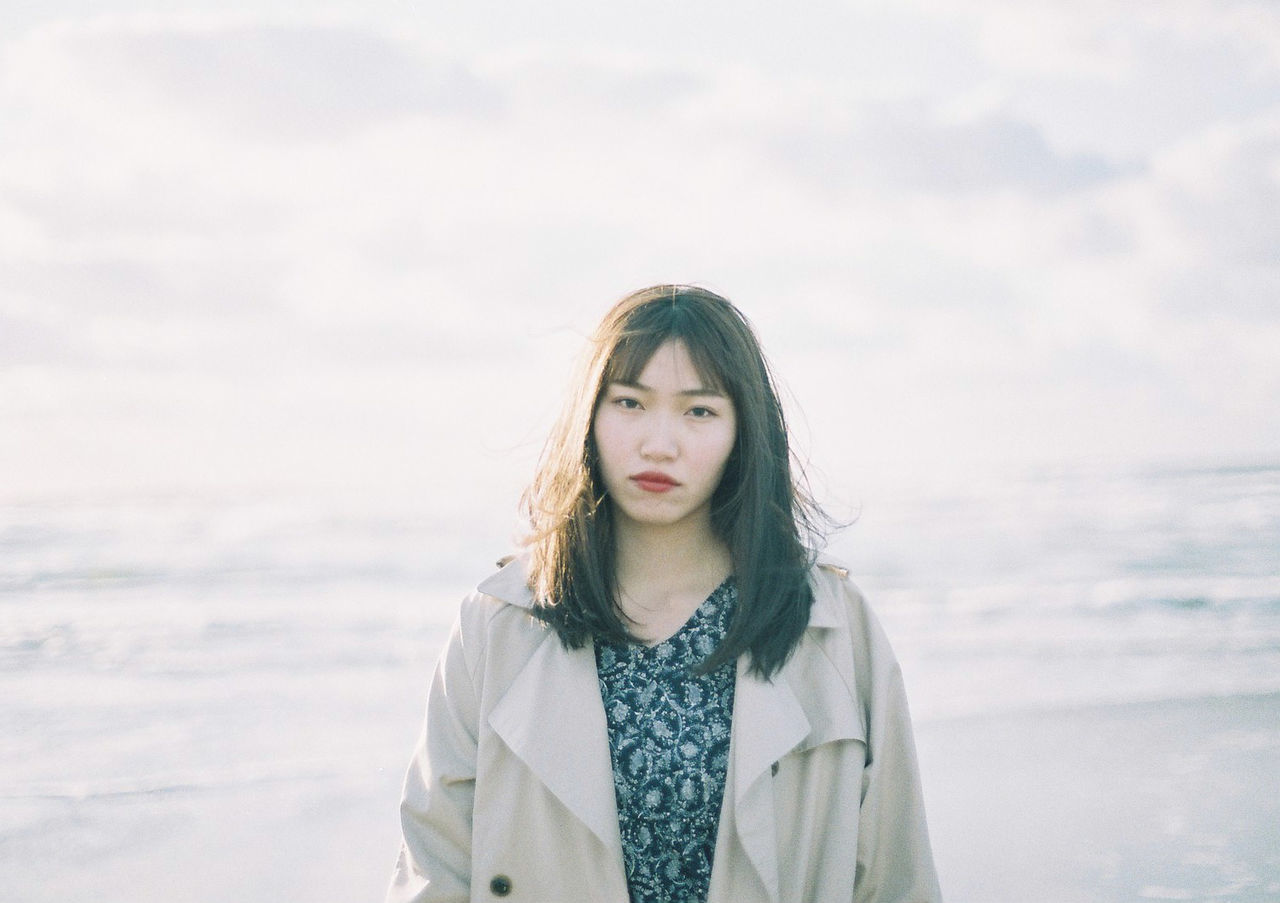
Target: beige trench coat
x=510, y=796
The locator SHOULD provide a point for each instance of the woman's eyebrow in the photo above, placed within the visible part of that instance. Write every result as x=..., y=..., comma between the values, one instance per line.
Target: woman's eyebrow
x=701, y=391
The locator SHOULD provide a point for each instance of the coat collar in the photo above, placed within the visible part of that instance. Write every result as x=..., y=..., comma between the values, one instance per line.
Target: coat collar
x=510, y=583
x=566, y=746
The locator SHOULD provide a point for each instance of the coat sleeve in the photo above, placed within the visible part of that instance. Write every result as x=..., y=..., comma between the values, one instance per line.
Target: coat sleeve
x=895, y=861
x=434, y=865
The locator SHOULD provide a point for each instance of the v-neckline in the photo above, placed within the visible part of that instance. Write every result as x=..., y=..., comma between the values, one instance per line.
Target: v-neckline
x=695, y=617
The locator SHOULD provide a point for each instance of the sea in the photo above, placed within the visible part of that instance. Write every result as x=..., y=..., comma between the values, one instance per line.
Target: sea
x=229, y=684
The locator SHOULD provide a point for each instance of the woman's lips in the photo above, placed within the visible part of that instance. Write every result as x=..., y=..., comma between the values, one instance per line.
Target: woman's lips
x=653, y=481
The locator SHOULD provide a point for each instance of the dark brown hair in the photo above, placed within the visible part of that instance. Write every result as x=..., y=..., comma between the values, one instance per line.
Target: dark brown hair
x=759, y=510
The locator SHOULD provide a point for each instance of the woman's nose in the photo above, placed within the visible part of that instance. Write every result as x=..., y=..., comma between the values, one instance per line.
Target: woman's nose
x=659, y=442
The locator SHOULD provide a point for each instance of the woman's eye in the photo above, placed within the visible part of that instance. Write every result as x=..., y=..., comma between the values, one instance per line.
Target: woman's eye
x=701, y=412
x=627, y=404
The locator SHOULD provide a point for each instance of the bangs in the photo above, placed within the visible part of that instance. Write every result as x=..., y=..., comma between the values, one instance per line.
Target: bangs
x=636, y=346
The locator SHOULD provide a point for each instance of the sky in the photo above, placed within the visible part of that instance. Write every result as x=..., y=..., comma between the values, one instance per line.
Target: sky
x=358, y=246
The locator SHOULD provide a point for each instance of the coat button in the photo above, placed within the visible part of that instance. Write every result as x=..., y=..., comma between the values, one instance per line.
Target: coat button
x=500, y=885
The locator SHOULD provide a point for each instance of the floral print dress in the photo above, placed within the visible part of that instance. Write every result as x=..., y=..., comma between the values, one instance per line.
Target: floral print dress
x=669, y=731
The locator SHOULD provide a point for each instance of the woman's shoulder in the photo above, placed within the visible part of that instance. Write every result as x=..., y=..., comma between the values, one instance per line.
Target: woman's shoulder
x=502, y=600
x=508, y=583
x=838, y=604
x=834, y=590
x=496, y=631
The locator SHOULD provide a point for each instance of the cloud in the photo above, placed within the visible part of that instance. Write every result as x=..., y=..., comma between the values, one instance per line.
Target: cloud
x=1224, y=188
x=246, y=220
x=150, y=205
x=1129, y=80
x=1204, y=223
x=905, y=148
x=1249, y=293
x=627, y=84
x=27, y=340
x=285, y=82
x=133, y=286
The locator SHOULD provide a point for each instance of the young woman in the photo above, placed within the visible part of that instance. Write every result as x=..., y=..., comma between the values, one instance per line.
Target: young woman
x=664, y=699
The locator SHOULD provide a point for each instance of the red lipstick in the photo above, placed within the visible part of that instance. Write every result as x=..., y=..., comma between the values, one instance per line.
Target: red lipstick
x=654, y=481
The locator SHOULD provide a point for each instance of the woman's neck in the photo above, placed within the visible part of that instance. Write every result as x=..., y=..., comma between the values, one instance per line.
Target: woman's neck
x=663, y=575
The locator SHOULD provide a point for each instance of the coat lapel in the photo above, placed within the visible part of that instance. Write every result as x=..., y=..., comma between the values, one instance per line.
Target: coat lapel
x=770, y=721
x=567, y=745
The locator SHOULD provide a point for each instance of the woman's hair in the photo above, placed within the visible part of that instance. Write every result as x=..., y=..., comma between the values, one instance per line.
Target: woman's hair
x=759, y=510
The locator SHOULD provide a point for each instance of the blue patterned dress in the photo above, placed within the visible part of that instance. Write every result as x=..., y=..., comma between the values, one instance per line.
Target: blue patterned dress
x=669, y=742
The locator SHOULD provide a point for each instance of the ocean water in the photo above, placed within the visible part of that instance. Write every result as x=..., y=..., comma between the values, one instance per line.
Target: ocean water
x=1074, y=588
x=231, y=684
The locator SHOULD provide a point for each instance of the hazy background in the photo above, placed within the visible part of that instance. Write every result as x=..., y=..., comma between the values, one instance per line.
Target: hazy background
x=289, y=294
x=355, y=244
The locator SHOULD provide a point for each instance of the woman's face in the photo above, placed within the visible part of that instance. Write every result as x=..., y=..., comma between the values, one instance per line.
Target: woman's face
x=663, y=442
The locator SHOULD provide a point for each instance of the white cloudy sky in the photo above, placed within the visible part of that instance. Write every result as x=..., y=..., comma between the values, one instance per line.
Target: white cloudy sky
x=357, y=244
